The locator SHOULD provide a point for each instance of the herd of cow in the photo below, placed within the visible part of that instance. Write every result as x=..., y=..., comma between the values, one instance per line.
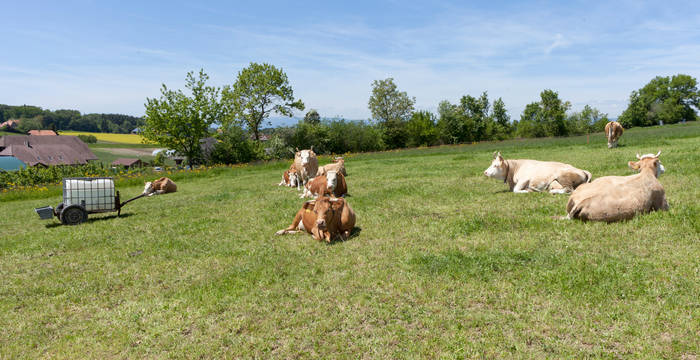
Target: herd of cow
x=609, y=198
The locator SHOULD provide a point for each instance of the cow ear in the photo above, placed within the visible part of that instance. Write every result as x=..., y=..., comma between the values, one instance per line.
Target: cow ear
x=634, y=165
x=337, y=203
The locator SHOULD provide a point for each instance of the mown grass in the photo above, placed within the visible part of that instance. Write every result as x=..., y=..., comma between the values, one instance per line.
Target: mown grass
x=445, y=263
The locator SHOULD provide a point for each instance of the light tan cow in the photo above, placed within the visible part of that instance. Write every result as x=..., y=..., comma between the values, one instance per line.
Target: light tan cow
x=531, y=175
x=306, y=165
x=324, y=218
x=615, y=198
x=338, y=165
x=613, y=131
x=161, y=186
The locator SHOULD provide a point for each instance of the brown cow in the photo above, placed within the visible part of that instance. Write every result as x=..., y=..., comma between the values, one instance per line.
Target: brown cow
x=613, y=131
x=338, y=165
x=614, y=198
x=289, y=177
x=331, y=183
x=323, y=218
x=306, y=165
x=161, y=186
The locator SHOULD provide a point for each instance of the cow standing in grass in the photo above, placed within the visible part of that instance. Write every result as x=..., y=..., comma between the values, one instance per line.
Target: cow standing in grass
x=338, y=165
x=615, y=198
x=324, y=218
x=531, y=175
x=613, y=131
x=306, y=166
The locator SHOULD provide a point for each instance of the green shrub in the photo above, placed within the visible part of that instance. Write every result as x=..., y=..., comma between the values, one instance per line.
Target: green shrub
x=88, y=139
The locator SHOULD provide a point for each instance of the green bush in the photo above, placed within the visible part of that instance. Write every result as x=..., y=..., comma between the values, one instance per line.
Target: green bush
x=88, y=139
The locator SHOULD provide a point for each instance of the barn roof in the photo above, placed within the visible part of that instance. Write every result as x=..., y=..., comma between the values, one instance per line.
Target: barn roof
x=126, y=161
x=46, y=150
x=11, y=163
x=42, y=132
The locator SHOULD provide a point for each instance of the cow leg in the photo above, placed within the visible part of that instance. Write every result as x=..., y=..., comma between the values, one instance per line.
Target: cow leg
x=521, y=187
x=556, y=188
x=292, y=229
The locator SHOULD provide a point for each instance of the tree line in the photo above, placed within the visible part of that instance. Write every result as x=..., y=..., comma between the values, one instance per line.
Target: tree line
x=36, y=118
x=239, y=111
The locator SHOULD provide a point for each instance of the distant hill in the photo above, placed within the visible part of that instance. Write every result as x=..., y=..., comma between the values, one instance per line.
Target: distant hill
x=34, y=117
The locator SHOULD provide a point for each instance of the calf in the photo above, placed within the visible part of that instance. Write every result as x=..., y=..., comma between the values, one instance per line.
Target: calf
x=161, y=186
x=331, y=183
x=613, y=131
x=289, y=178
x=531, y=175
x=338, y=165
x=323, y=218
x=614, y=198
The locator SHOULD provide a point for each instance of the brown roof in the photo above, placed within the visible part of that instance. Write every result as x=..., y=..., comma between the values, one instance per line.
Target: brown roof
x=42, y=132
x=46, y=150
x=125, y=162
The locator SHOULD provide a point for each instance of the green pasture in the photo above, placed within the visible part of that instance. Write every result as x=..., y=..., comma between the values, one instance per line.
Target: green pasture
x=444, y=263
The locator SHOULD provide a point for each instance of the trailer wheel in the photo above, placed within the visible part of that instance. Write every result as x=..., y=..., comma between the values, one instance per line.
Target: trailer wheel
x=73, y=215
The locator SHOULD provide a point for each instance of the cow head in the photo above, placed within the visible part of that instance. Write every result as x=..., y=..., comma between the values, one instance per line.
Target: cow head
x=305, y=155
x=326, y=210
x=331, y=180
x=148, y=188
x=499, y=167
x=648, y=161
x=293, y=178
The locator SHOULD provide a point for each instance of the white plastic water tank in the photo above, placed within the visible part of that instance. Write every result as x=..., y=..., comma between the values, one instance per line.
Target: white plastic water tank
x=98, y=194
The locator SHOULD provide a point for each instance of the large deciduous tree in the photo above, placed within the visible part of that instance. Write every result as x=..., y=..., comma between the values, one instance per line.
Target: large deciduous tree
x=259, y=91
x=179, y=121
x=546, y=117
x=392, y=109
x=663, y=100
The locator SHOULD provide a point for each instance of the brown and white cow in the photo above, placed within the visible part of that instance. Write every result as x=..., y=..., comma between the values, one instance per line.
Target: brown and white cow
x=613, y=131
x=331, y=183
x=615, y=198
x=289, y=177
x=306, y=165
x=531, y=175
x=323, y=218
x=161, y=186
x=338, y=165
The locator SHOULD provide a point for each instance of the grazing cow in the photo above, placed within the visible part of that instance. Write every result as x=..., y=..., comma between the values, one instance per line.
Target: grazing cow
x=614, y=198
x=531, y=175
x=161, y=186
x=289, y=177
x=613, y=131
x=338, y=165
x=306, y=165
x=331, y=183
x=323, y=218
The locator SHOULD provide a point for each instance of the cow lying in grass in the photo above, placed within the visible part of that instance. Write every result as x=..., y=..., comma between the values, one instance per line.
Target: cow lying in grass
x=161, y=186
x=324, y=218
x=338, y=166
x=289, y=177
x=614, y=198
x=531, y=175
x=331, y=183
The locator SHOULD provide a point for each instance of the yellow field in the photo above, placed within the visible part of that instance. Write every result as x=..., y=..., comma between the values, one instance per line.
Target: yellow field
x=113, y=138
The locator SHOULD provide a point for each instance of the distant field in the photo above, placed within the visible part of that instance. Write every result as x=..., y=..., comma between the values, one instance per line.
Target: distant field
x=445, y=263
x=106, y=137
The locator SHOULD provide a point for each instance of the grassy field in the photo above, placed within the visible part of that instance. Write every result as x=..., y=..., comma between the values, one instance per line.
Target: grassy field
x=444, y=263
x=107, y=137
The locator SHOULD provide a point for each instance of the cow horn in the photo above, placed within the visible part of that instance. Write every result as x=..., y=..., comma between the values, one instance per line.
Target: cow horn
x=292, y=151
x=312, y=148
x=658, y=153
x=639, y=157
x=297, y=149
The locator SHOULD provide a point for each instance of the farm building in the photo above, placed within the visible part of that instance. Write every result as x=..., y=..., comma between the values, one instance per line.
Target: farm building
x=11, y=163
x=42, y=133
x=46, y=150
x=127, y=163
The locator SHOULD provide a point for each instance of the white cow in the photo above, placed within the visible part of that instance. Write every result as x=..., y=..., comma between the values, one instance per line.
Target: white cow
x=531, y=175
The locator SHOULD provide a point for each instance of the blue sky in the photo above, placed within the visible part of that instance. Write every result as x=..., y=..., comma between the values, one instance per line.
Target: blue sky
x=98, y=56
